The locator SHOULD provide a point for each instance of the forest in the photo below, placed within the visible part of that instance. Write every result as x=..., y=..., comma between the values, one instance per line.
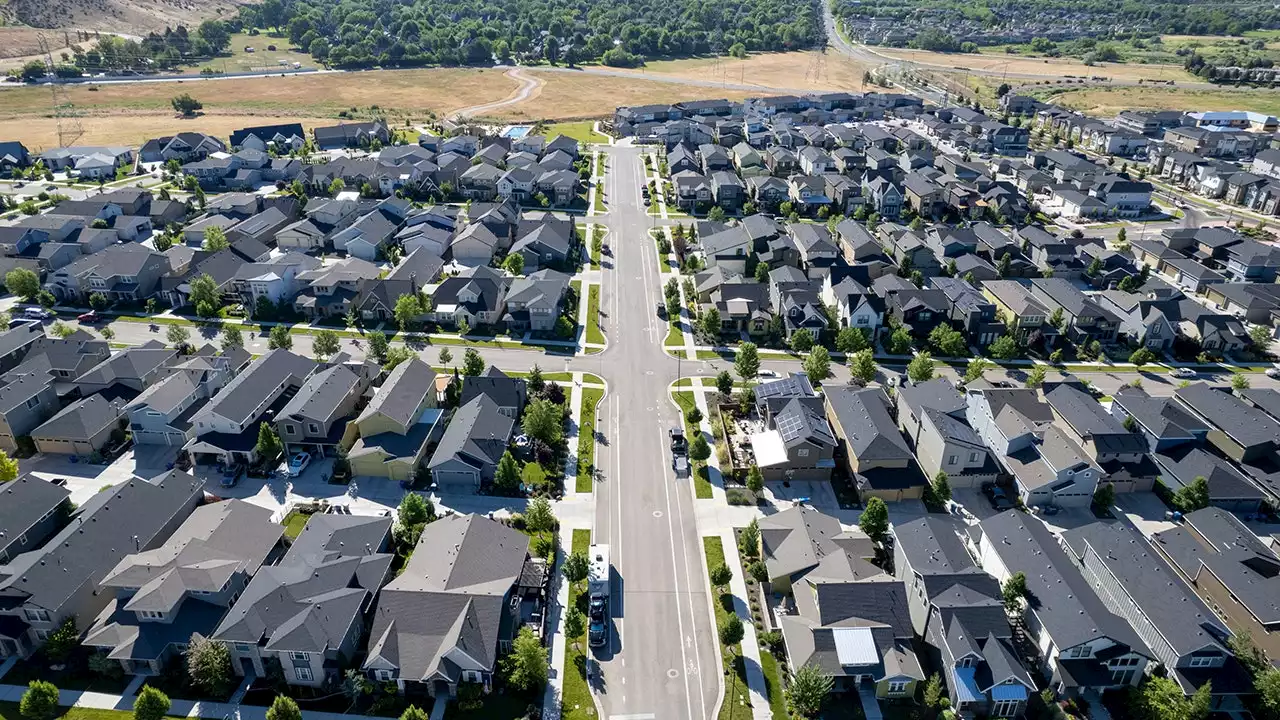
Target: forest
x=352, y=33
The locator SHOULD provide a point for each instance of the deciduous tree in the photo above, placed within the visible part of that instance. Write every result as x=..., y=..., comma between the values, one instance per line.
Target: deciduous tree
x=875, y=519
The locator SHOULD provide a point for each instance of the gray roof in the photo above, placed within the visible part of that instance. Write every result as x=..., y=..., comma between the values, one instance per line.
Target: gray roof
x=864, y=418
x=1017, y=411
x=1181, y=465
x=403, y=392
x=1163, y=417
x=308, y=601
x=81, y=420
x=932, y=546
x=936, y=394
x=129, y=364
x=239, y=400
x=477, y=435
x=24, y=502
x=1245, y=424
x=503, y=390
x=168, y=394
x=799, y=538
x=452, y=594
x=322, y=395
x=110, y=525
x=1088, y=419
x=1147, y=581
x=1061, y=598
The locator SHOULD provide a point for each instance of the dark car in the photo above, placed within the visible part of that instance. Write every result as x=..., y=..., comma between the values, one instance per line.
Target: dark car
x=231, y=475
x=598, y=629
x=999, y=498
x=678, y=442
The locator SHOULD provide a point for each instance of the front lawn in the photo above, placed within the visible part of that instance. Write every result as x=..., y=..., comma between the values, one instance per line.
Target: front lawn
x=698, y=470
x=576, y=700
x=587, y=439
x=9, y=711
x=582, y=131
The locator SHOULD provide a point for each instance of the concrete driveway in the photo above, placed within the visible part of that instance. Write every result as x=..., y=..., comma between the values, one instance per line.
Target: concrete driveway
x=1144, y=511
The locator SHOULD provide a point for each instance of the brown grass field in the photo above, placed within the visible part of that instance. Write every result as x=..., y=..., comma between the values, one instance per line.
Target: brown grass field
x=1043, y=67
x=795, y=70
x=566, y=96
x=1108, y=102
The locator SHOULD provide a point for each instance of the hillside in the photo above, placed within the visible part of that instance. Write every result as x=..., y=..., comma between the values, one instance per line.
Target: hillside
x=126, y=17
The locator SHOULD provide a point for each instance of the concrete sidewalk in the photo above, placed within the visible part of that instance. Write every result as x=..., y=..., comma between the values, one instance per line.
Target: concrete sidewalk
x=759, y=691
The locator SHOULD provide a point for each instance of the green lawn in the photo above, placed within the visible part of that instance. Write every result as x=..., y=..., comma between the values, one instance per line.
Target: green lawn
x=773, y=680
x=701, y=482
x=9, y=711
x=576, y=700
x=598, y=232
x=581, y=131
x=735, y=684
x=594, y=333
x=586, y=439
x=675, y=336
x=293, y=523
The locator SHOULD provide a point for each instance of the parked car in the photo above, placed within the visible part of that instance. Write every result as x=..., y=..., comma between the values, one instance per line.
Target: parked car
x=767, y=373
x=231, y=475
x=999, y=498
x=298, y=463
x=36, y=313
x=679, y=444
x=90, y=317
x=1183, y=372
x=680, y=464
x=1273, y=372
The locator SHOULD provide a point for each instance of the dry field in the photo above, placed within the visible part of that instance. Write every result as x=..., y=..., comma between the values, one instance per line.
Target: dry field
x=770, y=71
x=568, y=96
x=1041, y=67
x=41, y=134
x=132, y=17
x=1108, y=102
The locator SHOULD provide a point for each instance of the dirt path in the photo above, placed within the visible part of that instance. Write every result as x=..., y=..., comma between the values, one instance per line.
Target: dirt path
x=529, y=88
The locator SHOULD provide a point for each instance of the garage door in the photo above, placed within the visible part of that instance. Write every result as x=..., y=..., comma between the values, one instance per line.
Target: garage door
x=158, y=437
x=458, y=480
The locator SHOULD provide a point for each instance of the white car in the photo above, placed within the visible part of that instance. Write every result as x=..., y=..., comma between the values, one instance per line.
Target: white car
x=766, y=373
x=1273, y=372
x=298, y=463
x=1183, y=372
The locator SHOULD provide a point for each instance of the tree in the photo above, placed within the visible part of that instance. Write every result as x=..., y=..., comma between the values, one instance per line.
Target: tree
x=325, y=344
x=948, y=341
x=900, y=341
x=337, y=186
x=8, y=468
x=941, y=487
x=1259, y=337
x=818, y=365
x=1267, y=685
x=863, y=366
x=284, y=708
x=720, y=575
x=528, y=662
x=746, y=361
x=1121, y=236
x=921, y=367
x=415, y=511
x=507, y=475
x=576, y=567
x=23, y=283
x=809, y=689
x=205, y=296
x=1013, y=591
x=1004, y=348
x=544, y=420
x=731, y=631
x=185, y=104
x=1105, y=496
x=710, y=322
x=724, y=382
x=538, y=516
x=762, y=273
x=851, y=340
x=755, y=480
x=1142, y=356
x=63, y=641
x=699, y=450
x=378, y=346
x=98, y=301
x=151, y=704
x=472, y=363
x=933, y=692
x=575, y=623
x=231, y=337
x=413, y=712
x=177, y=335
x=1161, y=698
x=975, y=369
x=446, y=357
x=1035, y=378
x=408, y=308
x=215, y=239
x=1056, y=318
x=1004, y=265
x=694, y=416
x=875, y=519
x=1195, y=496
x=209, y=667
x=40, y=701
x=268, y=445
x=280, y=338
x=1239, y=382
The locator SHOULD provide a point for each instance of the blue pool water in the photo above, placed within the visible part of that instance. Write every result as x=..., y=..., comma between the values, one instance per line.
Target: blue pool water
x=516, y=131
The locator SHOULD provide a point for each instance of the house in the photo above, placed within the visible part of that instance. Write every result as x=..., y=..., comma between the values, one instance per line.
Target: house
x=333, y=290
x=184, y=147
x=122, y=273
x=359, y=134
x=83, y=428
x=162, y=413
x=1229, y=487
x=797, y=442
x=323, y=218
x=315, y=419
x=959, y=611
x=13, y=156
x=367, y=236
x=534, y=301
x=1162, y=421
x=1239, y=430
x=509, y=394
x=60, y=581
x=870, y=447
x=1119, y=453
x=183, y=588
x=64, y=358
x=306, y=614
x=1085, y=649
x=451, y=613
x=970, y=310
x=390, y=436
x=844, y=615
x=31, y=510
x=476, y=296
x=92, y=162
x=545, y=241
x=1254, y=302
x=281, y=138
x=1007, y=419
x=25, y=403
x=727, y=249
x=1085, y=319
x=1142, y=322
x=932, y=417
x=1184, y=635
x=1230, y=569
x=475, y=439
x=129, y=372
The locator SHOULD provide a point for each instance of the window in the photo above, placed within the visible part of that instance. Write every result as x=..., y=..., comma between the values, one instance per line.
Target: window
x=313, y=428
x=42, y=635
x=1078, y=651
x=897, y=687
x=302, y=673
x=1004, y=708
x=966, y=661
x=36, y=615
x=803, y=452
x=243, y=647
x=22, y=539
x=973, y=457
x=298, y=656
x=951, y=459
x=1198, y=662
x=470, y=676
x=862, y=320
x=383, y=675
x=32, y=402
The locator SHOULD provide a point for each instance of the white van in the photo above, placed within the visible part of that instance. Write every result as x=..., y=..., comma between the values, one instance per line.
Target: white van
x=36, y=313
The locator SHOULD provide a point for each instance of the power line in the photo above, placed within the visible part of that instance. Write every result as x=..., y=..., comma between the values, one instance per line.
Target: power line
x=69, y=127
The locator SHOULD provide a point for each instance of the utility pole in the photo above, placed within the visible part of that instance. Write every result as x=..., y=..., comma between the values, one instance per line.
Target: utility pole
x=68, y=125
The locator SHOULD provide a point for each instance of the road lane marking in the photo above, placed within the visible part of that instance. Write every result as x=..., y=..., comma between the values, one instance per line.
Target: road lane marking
x=675, y=576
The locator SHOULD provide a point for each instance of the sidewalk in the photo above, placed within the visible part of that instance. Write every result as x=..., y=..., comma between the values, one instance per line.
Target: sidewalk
x=179, y=708
x=759, y=690
x=571, y=438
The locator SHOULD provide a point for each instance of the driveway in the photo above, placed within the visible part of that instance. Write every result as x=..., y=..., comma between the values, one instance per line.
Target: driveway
x=1144, y=511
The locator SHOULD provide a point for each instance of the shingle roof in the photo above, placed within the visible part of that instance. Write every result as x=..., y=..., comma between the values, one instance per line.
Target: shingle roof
x=23, y=502
x=1244, y=424
x=864, y=418
x=244, y=394
x=81, y=420
x=477, y=435
x=322, y=395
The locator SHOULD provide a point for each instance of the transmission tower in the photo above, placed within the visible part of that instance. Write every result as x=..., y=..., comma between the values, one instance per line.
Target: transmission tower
x=69, y=128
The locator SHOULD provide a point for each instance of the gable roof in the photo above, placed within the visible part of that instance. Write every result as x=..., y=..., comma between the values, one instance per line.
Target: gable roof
x=477, y=435
x=863, y=416
x=403, y=392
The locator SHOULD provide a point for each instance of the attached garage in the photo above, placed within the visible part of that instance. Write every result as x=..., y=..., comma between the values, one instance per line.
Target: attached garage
x=159, y=437
x=458, y=479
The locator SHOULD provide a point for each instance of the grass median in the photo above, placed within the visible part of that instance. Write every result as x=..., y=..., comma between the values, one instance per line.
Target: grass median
x=736, y=704
x=576, y=700
x=594, y=333
x=587, y=439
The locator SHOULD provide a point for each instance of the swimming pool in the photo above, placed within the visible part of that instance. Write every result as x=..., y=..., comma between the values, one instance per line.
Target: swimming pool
x=516, y=131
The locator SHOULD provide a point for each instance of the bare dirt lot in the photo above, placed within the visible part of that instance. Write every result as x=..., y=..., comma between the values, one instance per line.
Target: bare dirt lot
x=41, y=133
x=1108, y=102
x=567, y=96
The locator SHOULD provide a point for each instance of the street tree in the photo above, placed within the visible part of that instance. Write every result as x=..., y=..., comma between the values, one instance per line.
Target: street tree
x=575, y=623
x=280, y=338
x=801, y=340
x=576, y=567
x=23, y=283
x=205, y=296
x=472, y=363
x=818, y=364
x=408, y=309
x=378, y=346
x=731, y=631
x=699, y=450
x=900, y=342
x=151, y=704
x=231, y=337
x=921, y=367
x=1035, y=378
x=948, y=341
x=746, y=361
x=326, y=344
x=851, y=340
x=177, y=335
x=1004, y=348
x=863, y=366
x=975, y=369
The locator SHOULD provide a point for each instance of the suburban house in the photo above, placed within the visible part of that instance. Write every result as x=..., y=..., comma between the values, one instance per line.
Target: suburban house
x=797, y=442
x=121, y=273
x=476, y=296
x=83, y=428
x=842, y=613
x=281, y=138
x=60, y=581
x=31, y=510
x=315, y=418
x=932, y=416
x=25, y=404
x=458, y=604
x=358, y=134
x=468, y=452
x=1239, y=430
x=1085, y=648
x=1184, y=635
x=182, y=588
x=1119, y=453
x=959, y=611
x=870, y=447
x=390, y=436
x=534, y=301
x=305, y=615
x=162, y=414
